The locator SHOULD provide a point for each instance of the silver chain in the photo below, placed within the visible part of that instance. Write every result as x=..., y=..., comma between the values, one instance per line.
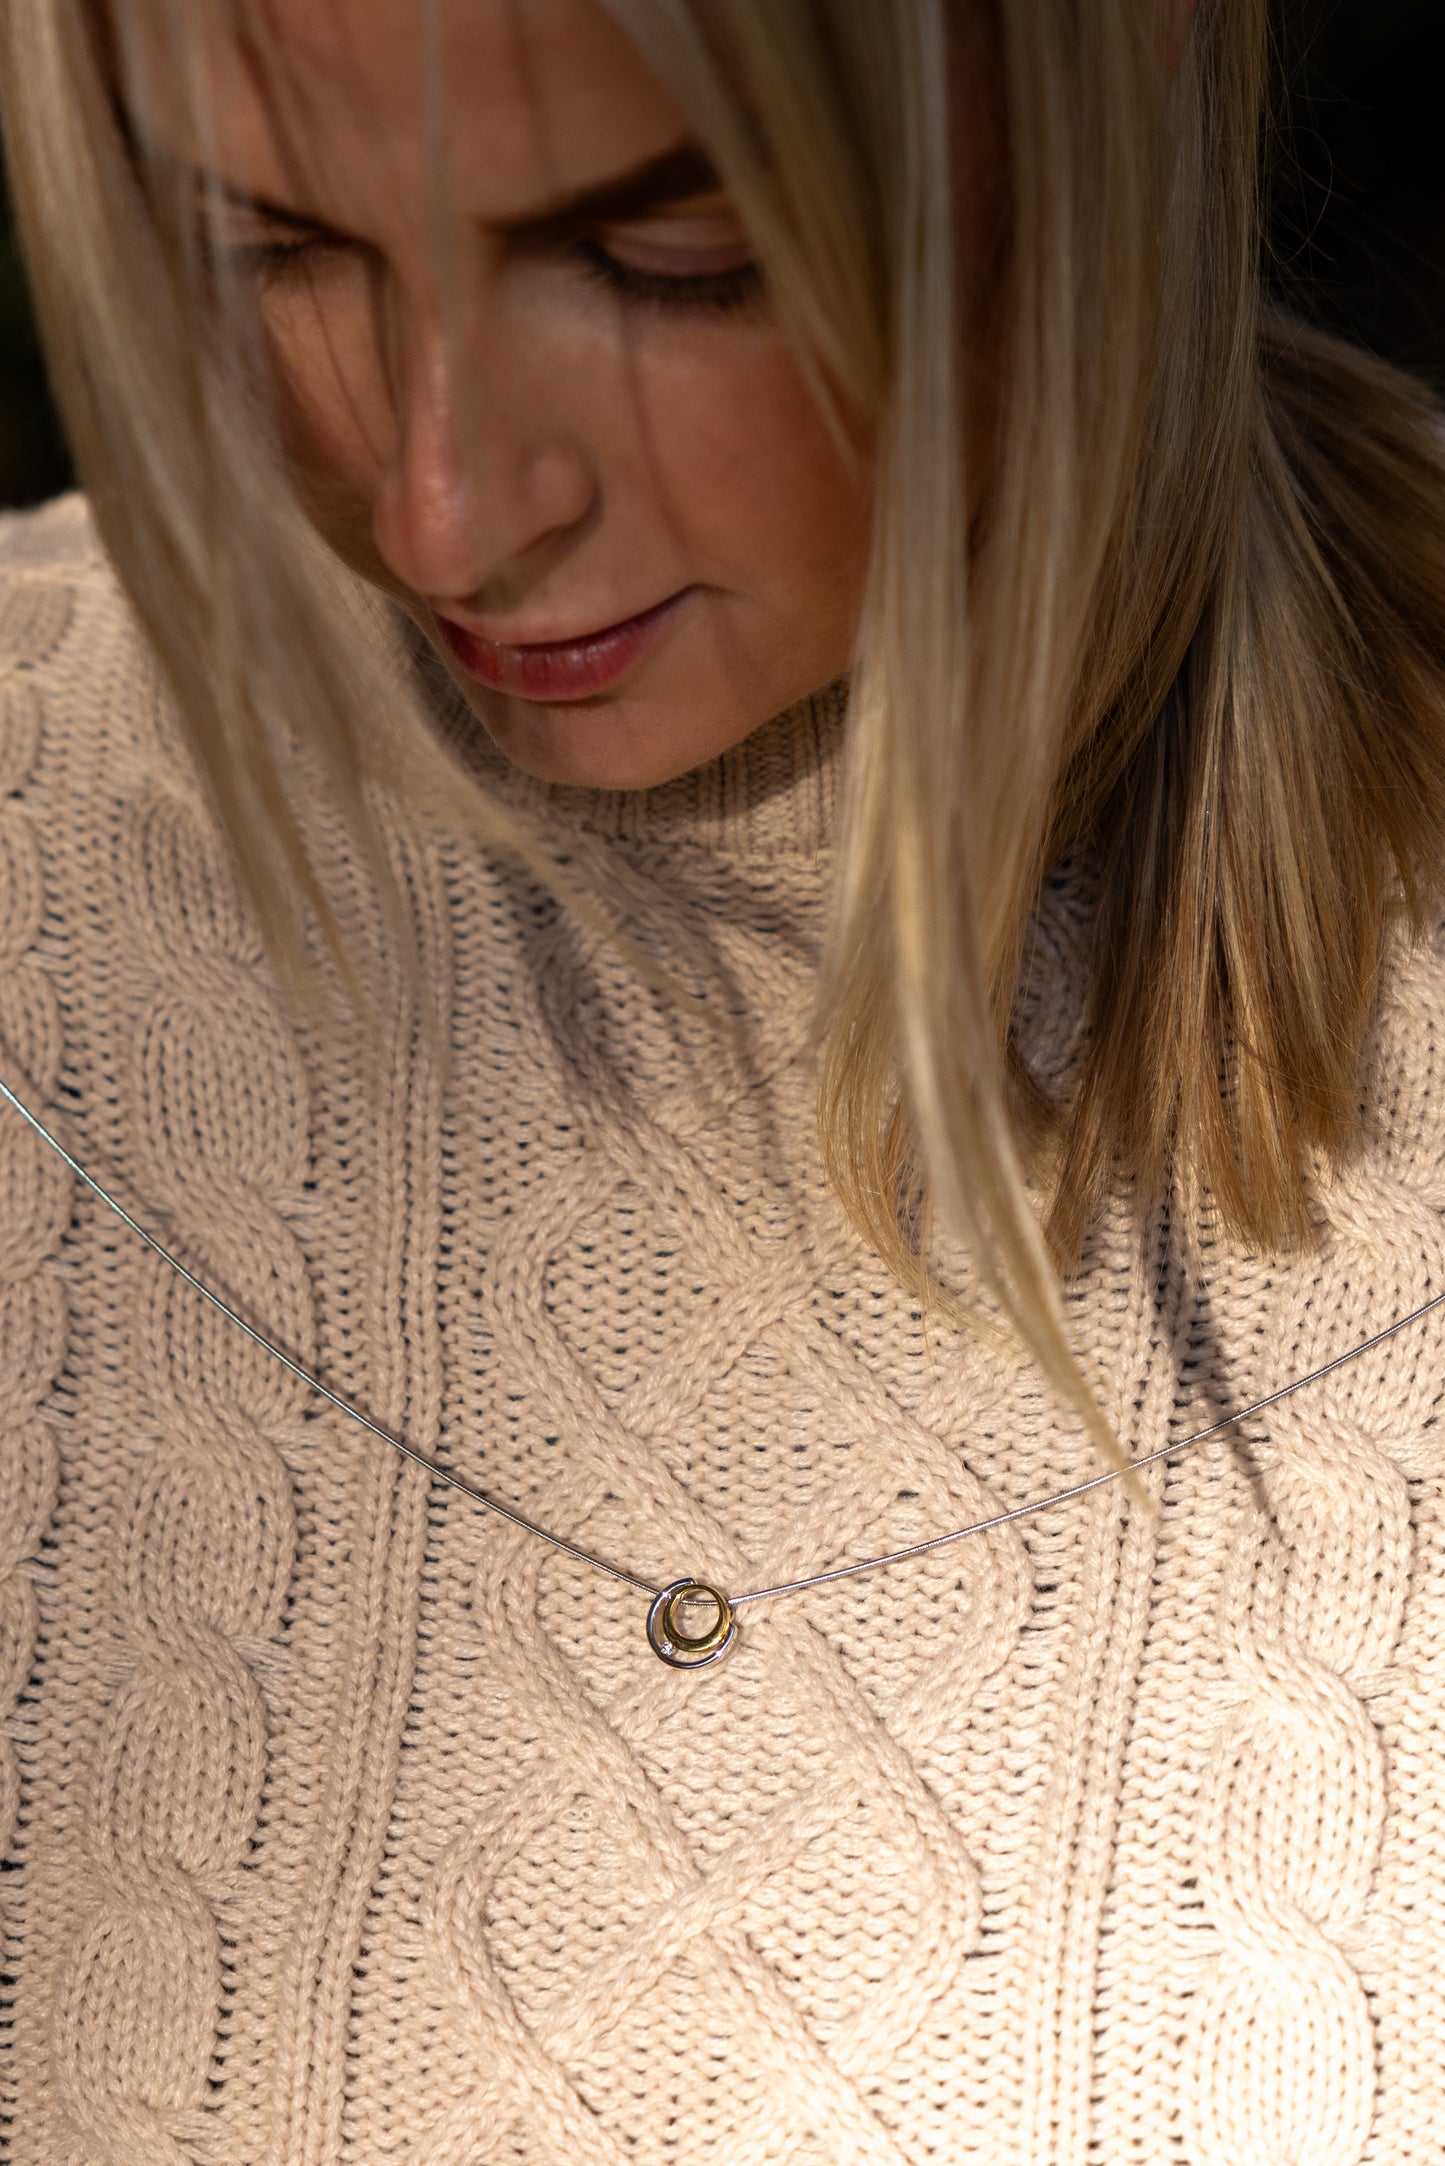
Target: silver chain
x=725, y=1632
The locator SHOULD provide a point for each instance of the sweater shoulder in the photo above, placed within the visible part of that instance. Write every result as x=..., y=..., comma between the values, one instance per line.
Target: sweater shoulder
x=67, y=631
x=79, y=685
x=57, y=539
x=1409, y=1027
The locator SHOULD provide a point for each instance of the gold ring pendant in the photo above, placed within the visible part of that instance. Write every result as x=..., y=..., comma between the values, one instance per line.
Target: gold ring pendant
x=690, y=1624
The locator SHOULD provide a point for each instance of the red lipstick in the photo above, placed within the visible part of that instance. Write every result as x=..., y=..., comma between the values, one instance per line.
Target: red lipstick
x=561, y=669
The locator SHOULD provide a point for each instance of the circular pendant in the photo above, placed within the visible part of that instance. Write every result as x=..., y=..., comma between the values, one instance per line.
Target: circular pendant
x=690, y=1624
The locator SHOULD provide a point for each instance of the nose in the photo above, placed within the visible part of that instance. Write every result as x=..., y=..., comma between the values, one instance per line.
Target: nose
x=483, y=489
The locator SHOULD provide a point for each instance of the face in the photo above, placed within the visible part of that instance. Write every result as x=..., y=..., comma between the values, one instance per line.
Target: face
x=530, y=382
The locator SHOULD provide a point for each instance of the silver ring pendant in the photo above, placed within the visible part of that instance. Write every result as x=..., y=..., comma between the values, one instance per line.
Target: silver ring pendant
x=684, y=1643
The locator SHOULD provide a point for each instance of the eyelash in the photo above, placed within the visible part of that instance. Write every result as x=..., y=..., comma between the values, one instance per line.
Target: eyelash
x=722, y=291
x=704, y=290
x=273, y=259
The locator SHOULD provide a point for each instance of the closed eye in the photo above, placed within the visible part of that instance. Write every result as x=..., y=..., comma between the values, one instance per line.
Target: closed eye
x=268, y=259
x=732, y=287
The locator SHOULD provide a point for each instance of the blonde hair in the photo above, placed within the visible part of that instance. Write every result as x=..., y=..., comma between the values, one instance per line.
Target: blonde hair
x=1185, y=613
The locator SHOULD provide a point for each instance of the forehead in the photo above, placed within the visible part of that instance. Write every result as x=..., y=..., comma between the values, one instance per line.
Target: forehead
x=529, y=97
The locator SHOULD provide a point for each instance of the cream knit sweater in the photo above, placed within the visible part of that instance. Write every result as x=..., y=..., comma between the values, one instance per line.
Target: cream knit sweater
x=344, y=1824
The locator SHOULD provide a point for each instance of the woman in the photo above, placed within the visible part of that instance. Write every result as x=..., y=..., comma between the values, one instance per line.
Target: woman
x=732, y=801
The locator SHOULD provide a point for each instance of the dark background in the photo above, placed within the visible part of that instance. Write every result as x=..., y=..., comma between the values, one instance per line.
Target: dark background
x=1358, y=227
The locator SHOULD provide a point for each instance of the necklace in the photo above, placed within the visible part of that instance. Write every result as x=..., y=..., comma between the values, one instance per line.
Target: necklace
x=691, y=1623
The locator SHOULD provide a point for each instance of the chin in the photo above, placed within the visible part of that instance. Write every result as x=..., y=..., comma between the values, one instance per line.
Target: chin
x=610, y=743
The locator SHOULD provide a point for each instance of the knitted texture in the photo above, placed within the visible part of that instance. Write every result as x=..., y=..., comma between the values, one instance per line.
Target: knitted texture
x=34, y=1311
x=344, y=1823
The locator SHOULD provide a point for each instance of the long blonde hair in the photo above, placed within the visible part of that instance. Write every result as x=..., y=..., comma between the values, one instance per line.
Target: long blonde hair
x=1186, y=615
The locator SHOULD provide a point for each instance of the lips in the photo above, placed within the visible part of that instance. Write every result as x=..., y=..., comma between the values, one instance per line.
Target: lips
x=563, y=669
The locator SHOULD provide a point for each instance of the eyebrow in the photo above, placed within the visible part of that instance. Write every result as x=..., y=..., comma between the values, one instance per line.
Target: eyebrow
x=673, y=176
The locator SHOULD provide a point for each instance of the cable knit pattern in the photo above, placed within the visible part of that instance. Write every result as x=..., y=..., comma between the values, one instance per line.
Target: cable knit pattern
x=357, y=1827
x=34, y=1314
x=203, y=1534
x=655, y=1758
x=1298, y=1793
x=1295, y=1809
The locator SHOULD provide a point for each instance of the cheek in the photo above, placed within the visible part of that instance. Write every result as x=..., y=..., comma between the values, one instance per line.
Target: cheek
x=755, y=480
x=334, y=412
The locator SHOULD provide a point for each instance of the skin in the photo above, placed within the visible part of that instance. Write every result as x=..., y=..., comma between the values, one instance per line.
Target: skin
x=475, y=422
x=499, y=437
